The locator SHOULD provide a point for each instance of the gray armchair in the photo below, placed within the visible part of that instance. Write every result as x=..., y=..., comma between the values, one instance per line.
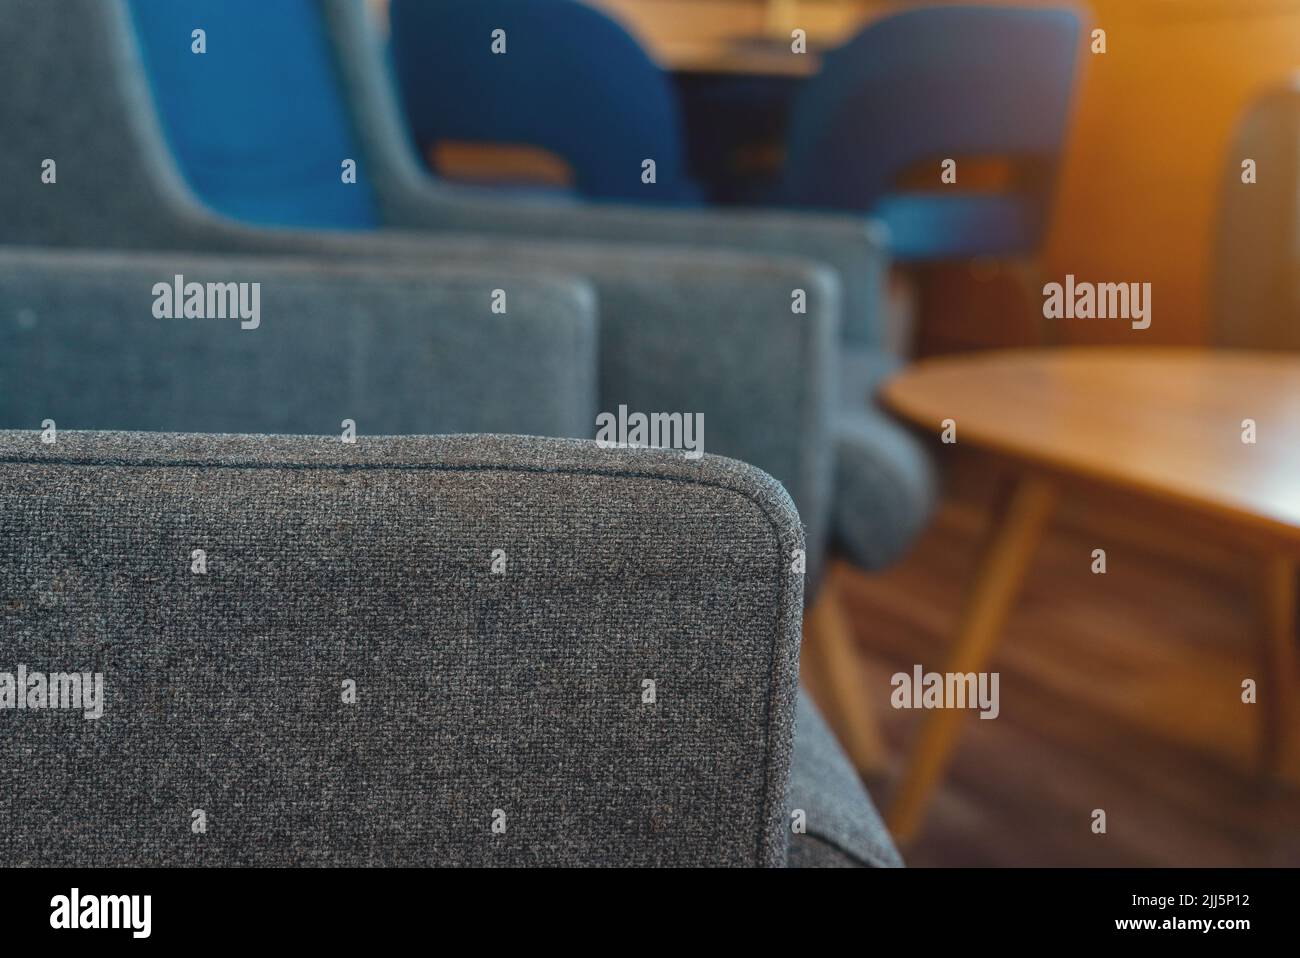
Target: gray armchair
x=398, y=350
x=467, y=650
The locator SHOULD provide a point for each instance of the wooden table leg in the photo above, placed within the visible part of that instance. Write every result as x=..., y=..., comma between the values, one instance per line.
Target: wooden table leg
x=833, y=673
x=1278, y=685
x=998, y=576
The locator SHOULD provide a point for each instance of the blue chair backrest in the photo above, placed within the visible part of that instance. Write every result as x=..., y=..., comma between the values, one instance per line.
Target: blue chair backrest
x=572, y=81
x=258, y=123
x=925, y=85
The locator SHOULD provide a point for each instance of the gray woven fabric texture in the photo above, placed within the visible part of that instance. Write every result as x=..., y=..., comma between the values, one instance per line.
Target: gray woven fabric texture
x=671, y=319
x=397, y=351
x=481, y=697
x=843, y=828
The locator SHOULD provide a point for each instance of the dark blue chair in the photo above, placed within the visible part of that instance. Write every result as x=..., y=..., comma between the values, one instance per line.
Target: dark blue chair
x=572, y=82
x=929, y=84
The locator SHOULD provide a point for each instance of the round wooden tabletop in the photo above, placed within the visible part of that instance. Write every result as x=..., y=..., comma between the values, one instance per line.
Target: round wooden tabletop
x=1167, y=422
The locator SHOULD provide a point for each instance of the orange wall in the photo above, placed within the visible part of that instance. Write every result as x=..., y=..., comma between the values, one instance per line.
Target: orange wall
x=1141, y=181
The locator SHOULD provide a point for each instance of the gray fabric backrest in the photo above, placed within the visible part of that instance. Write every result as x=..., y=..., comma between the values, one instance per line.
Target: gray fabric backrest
x=398, y=351
x=94, y=118
x=513, y=696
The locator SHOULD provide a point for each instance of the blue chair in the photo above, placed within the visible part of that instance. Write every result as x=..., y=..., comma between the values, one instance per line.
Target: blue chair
x=241, y=150
x=572, y=81
x=929, y=84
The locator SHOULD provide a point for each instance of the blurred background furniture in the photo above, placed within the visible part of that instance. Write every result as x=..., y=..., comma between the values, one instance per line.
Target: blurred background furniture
x=398, y=349
x=988, y=87
x=933, y=84
x=1169, y=426
x=1140, y=196
x=573, y=83
x=1153, y=119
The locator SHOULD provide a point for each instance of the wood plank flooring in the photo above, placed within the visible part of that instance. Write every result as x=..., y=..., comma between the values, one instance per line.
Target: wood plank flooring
x=1118, y=691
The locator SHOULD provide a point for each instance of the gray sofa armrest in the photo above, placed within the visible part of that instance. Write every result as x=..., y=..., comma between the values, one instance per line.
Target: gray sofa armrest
x=843, y=828
x=356, y=680
x=398, y=351
x=856, y=249
x=679, y=332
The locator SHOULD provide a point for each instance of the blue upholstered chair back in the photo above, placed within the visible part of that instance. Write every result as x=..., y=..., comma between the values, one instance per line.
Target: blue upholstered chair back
x=929, y=84
x=258, y=123
x=572, y=81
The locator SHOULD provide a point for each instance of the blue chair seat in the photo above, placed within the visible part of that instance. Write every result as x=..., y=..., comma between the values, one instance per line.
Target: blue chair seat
x=943, y=226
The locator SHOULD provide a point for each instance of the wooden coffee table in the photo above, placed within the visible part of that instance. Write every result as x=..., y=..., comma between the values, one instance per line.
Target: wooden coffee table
x=1162, y=424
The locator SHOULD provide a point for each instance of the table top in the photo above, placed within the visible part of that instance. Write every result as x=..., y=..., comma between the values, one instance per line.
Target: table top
x=1166, y=422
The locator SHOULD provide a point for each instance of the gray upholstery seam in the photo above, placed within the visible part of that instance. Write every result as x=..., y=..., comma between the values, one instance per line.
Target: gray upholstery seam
x=840, y=845
x=808, y=360
x=846, y=852
x=781, y=601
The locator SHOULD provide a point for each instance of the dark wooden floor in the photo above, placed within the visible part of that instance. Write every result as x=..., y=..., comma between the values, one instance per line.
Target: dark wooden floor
x=1119, y=691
